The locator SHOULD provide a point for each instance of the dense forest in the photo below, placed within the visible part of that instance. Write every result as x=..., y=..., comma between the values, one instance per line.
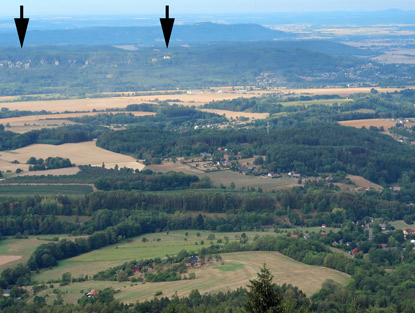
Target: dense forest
x=306, y=150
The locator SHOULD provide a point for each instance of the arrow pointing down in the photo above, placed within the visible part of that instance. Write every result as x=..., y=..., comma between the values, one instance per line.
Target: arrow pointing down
x=167, y=26
x=21, y=25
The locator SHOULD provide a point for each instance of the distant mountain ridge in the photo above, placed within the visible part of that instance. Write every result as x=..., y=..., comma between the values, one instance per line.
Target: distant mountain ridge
x=149, y=35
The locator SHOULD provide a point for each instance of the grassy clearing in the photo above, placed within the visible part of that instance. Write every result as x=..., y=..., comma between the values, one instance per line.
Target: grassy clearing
x=243, y=267
x=19, y=190
x=401, y=225
x=229, y=267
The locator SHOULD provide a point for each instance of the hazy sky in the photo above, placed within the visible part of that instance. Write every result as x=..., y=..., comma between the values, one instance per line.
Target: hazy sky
x=100, y=7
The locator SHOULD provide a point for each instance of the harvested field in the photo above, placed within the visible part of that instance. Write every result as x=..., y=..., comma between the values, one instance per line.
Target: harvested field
x=5, y=259
x=363, y=182
x=377, y=122
x=8, y=166
x=197, y=100
x=235, y=115
x=82, y=153
x=57, y=106
x=57, y=172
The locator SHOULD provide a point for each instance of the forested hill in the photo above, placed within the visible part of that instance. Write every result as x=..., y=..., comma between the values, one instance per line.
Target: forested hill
x=78, y=70
x=306, y=150
x=148, y=35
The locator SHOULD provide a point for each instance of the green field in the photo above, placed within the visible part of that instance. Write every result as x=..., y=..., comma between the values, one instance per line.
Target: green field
x=238, y=269
x=22, y=248
x=169, y=244
x=230, y=267
x=401, y=225
x=19, y=190
x=316, y=102
x=227, y=177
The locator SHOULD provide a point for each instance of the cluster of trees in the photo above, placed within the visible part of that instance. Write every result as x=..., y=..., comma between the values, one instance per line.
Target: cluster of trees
x=54, y=136
x=49, y=164
x=168, y=116
x=265, y=104
x=6, y=113
x=149, y=182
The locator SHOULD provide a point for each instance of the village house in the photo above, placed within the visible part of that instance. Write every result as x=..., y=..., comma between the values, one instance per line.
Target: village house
x=272, y=174
x=93, y=293
x=193, y=261
x=137, y=268
x=294, y=174
x=383, y=226
x=408, y=231
x=244, y=169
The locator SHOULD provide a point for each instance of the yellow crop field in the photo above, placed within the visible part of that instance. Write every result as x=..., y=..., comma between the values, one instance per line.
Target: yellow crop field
x=377, y=122
x=83, y=153
x=234, y=115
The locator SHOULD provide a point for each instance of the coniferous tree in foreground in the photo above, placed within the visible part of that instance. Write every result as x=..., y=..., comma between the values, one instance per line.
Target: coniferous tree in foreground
x=263, y=295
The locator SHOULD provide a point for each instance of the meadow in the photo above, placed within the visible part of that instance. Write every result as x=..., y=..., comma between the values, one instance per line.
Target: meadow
x=235, y=271
x=226, y=177
x=156, y=245
x=399, y=224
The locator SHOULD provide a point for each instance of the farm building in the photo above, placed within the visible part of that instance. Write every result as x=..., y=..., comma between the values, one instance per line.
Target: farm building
x=93, y=293
x=6, y=293
x=137, y=267
x=193, y=261
x=294, y=174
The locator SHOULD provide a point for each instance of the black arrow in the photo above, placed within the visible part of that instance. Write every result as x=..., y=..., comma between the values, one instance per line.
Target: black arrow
x=21, y=25
x=167, y=26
